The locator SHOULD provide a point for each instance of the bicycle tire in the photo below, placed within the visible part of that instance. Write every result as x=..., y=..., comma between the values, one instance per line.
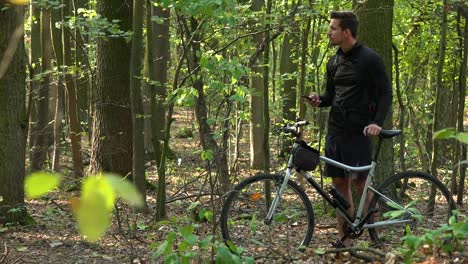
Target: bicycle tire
x=410, y=189
x=244, y=211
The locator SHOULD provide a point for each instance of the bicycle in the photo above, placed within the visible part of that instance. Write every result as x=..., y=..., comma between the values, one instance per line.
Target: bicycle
x=272, y=213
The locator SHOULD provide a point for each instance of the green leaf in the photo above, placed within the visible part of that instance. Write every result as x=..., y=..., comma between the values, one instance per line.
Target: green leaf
x=207, y=155
x=253, y=223
x=160, y=250
x=231, y=246
x=93, y=214
x=205, y=242
x=93, y=184
x=209, y=215
x=186, y=230
x=279, y=218
x=171, y=259
x=94, y=207
x=224, y=256
x=460, y=230
x=125, y=189
x=320, y=251
x=445, y=133
x=462, y=137
x=184, y=245
x=40, y=183
x=21, y=248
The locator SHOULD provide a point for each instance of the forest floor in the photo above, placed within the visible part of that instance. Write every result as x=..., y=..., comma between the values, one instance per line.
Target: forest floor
x=132, y=237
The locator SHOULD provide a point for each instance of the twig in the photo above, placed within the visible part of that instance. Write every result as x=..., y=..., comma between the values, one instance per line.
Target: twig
x=4, y=254
x=188, y=196
x=354, y=252
x=18, y=259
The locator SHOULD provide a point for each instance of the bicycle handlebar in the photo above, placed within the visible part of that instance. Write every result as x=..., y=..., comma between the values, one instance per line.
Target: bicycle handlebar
x=294, y=128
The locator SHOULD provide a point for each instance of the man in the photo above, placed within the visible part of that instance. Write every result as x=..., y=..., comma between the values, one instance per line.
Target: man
x=360, y=95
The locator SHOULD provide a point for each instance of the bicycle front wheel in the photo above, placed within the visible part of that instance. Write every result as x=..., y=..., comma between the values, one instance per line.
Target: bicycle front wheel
x=244, y=211
x=424, y=195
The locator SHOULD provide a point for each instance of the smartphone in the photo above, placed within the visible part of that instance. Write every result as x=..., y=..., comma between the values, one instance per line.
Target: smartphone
x=306, y=97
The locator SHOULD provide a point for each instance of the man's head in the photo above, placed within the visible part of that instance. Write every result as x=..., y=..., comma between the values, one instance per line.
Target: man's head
x=343, y=27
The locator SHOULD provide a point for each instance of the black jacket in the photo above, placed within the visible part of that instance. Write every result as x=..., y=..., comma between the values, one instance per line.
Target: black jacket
x=358, y=89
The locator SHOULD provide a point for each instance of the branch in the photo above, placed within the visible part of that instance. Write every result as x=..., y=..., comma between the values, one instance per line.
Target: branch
x=4, y=254
x=354, y=252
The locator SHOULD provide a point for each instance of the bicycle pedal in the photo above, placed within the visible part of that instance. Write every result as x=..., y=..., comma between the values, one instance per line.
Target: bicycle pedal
x=338, y=244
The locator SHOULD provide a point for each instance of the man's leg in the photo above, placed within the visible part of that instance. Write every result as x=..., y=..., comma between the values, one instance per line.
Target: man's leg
x=342, y=184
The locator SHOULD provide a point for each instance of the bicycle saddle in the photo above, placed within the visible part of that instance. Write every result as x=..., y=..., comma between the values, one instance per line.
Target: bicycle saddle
x=389, y=133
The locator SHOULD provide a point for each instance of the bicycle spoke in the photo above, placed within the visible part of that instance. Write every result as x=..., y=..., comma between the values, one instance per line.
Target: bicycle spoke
x=243, y=218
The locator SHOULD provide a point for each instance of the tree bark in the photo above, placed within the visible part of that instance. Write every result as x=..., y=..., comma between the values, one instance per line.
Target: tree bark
x=158, y=60
x=112, y=130
x=461, y=109
x=41, y=136
x=288, y=70
x=442, y=100
x=138, y=170
x=13, y=118
x=59, y=105
x=35, y=68
x=75, y=136
x=257, y=123
x=375, y=31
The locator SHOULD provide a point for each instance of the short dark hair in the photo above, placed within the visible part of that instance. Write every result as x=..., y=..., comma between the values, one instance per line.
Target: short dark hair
x=348, y=20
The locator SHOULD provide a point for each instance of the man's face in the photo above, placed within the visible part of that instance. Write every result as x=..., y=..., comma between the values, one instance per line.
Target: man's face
x=335, y=33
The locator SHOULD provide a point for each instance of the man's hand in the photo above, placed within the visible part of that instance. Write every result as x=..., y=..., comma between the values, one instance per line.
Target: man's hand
x=313, y=99
x=372, y=130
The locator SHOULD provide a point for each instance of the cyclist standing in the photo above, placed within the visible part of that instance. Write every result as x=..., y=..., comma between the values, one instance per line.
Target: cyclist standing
x=360, y=95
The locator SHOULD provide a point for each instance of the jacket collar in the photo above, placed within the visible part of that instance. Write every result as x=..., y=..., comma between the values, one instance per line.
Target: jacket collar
x=351, y=52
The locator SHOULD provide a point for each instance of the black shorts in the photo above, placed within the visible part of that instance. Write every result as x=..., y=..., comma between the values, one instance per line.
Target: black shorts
x=353, y=150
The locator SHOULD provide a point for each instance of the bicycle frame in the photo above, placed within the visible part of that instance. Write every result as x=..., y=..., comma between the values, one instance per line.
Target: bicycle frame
x=356, y=224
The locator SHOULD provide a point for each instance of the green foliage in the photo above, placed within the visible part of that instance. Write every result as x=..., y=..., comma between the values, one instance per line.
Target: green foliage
x=183, y=245
x=450, y=133
x=94, y=208
x=40, y=183
x=448, y=238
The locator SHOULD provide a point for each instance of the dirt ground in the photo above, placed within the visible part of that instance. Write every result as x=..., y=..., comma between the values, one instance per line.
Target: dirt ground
x=55, y=238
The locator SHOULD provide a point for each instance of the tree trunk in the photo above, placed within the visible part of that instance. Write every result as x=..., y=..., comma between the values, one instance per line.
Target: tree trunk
x=13, y=119
x=303, y=89
x=461, y=109
x=138, y=171
x=402, y=106
x=266, y=78
x=112, y=130
x=75, y=136
x=59, y=105
x=158, y=56
x=375, y=31
x=158, y=59
x=442, y=100
x=39, y=155
x=83, y=77
x=35, y=57
x=257, y=123
x=288, y=71
x=201, y=111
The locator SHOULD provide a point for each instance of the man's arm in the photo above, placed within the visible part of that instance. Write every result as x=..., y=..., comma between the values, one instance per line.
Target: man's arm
x=327, y=98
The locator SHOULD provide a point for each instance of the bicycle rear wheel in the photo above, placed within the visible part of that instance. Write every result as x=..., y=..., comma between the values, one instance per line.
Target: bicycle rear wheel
x=244, y=211
x=415, y=190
